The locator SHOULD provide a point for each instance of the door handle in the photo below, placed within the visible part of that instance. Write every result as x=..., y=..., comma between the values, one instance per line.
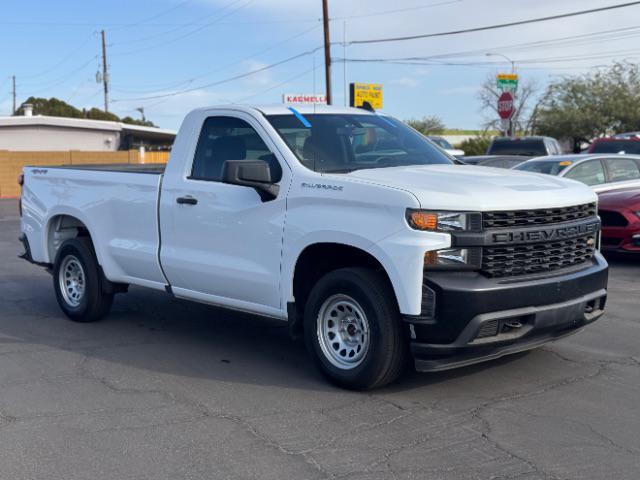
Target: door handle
x=187, y=200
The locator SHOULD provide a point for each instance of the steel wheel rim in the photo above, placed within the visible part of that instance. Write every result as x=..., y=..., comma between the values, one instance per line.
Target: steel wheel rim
x=343, y=331
x=71, y=278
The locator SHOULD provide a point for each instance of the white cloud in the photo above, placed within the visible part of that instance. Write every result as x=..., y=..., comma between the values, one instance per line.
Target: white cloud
x=261, y=78
x=462, y=90
x=408, y=82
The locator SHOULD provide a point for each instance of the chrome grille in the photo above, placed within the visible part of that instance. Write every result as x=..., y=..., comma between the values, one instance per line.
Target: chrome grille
x=512, y=260
x=542, y=216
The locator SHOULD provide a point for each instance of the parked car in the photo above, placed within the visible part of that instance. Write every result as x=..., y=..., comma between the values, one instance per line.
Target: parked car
x=372, y=253
x=627, y=143
x=496, y=161
x=524, y=146
x=446, y=146
x=600, y=172
x=619, y=211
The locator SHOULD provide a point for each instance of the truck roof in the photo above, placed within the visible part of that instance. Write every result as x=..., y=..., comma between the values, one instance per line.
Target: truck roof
x=283, y=109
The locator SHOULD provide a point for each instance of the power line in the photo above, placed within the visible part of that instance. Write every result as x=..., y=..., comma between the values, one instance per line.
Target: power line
x=64, y=59
x=493, y=27
x=426, y=61
x=285, y=82
x=193, y=32
x=173, y=30
x=158, y=15
x=188, y=81
x=398, y=10
x=60, y=81
x=604, y=35
x=226, y=80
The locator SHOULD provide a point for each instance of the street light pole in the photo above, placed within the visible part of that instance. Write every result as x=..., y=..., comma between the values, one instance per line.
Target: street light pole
x=512, y=62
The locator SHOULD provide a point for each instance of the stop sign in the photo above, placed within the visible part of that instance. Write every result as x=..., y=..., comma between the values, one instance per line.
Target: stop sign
x=505, y=105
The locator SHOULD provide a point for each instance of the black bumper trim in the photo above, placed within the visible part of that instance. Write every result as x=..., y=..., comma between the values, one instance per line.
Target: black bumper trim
x=439, y=365
x=26, y=255
x=542, y=324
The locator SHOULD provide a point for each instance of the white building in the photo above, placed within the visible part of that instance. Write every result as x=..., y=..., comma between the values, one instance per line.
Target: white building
x=43, y=133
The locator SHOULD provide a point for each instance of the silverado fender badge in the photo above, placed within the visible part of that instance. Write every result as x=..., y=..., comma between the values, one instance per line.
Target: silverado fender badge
x=322, y=186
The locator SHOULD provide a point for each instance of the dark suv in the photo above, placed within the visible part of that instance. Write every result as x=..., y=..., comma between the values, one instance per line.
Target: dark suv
x=524, y=146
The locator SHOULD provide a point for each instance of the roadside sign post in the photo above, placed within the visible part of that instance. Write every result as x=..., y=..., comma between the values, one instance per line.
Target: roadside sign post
x=304, y=98
x=361, y=93
x=506, y=109
x=507, y=83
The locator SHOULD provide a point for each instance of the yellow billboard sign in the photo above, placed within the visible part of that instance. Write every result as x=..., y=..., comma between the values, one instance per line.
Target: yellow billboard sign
x=361, y=93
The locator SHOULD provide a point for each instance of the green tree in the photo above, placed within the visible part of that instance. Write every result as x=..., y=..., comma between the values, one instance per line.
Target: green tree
x=52, y=107
x=475, y=145
x=580, y=108
x=430, y=125
x=97, y=114
x=134, y=121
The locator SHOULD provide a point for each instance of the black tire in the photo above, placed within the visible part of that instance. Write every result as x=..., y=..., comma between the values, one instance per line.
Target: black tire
x=386, y=352
x=92, y=304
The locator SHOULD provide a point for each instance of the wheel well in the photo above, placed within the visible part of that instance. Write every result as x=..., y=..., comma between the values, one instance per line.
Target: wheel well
x=317, y=260
x=61, y=228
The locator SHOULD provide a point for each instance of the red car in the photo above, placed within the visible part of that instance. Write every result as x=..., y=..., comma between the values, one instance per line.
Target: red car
x=627, y=144
x=620, y=214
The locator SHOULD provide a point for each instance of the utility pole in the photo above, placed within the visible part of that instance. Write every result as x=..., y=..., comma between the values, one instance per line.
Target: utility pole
x=344, y=61
x=105, y=74
x=327, y=49
x=13, y=78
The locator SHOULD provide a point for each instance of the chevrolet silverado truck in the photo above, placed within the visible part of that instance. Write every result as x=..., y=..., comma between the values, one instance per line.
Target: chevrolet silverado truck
x=370, y=241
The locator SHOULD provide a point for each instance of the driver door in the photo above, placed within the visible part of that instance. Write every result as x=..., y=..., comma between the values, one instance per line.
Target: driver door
x=222, y=243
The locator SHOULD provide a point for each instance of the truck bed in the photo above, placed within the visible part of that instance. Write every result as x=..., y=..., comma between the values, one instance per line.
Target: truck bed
x=149, y=168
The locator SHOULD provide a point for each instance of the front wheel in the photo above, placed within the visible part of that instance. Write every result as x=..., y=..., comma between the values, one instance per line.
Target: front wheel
x=77, y=280
x=353, y=329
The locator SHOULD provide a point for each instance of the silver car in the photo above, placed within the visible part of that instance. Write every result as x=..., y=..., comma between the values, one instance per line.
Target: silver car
x=601, y=172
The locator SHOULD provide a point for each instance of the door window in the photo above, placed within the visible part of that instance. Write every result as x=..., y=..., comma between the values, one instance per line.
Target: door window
x=621, y=169
x=229, y=138
x=591, y=173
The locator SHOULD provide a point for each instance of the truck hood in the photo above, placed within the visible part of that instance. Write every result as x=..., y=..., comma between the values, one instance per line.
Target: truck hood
x=466, y=187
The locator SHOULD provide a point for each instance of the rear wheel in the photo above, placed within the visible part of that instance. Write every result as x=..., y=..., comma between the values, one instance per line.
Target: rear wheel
x=353, y=329
x=78, y=282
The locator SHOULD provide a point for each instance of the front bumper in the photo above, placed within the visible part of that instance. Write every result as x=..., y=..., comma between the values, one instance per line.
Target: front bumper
x=621, y=239
x=477, y=318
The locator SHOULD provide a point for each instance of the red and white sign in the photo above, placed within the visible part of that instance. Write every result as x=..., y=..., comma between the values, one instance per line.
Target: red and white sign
x=302, y=98
x=505, y=105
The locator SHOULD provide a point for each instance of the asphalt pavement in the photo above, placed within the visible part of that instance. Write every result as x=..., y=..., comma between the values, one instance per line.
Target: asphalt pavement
x=165, y=389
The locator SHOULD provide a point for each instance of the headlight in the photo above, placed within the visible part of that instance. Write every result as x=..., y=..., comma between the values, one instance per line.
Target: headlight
x=444, y=221
x=453, y=258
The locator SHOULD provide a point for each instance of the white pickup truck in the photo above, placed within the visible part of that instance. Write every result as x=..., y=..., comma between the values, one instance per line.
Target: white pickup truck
x=363, y=235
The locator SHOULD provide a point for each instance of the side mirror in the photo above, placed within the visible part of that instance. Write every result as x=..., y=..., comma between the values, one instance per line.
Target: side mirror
x=251, y=173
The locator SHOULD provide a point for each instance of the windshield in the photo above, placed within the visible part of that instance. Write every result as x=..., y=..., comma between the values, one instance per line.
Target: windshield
x=344, y=143
x=531, y=148
x=543, y=166
x=615, y=146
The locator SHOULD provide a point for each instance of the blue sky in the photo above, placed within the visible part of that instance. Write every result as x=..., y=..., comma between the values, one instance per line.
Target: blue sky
x=165, y=54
